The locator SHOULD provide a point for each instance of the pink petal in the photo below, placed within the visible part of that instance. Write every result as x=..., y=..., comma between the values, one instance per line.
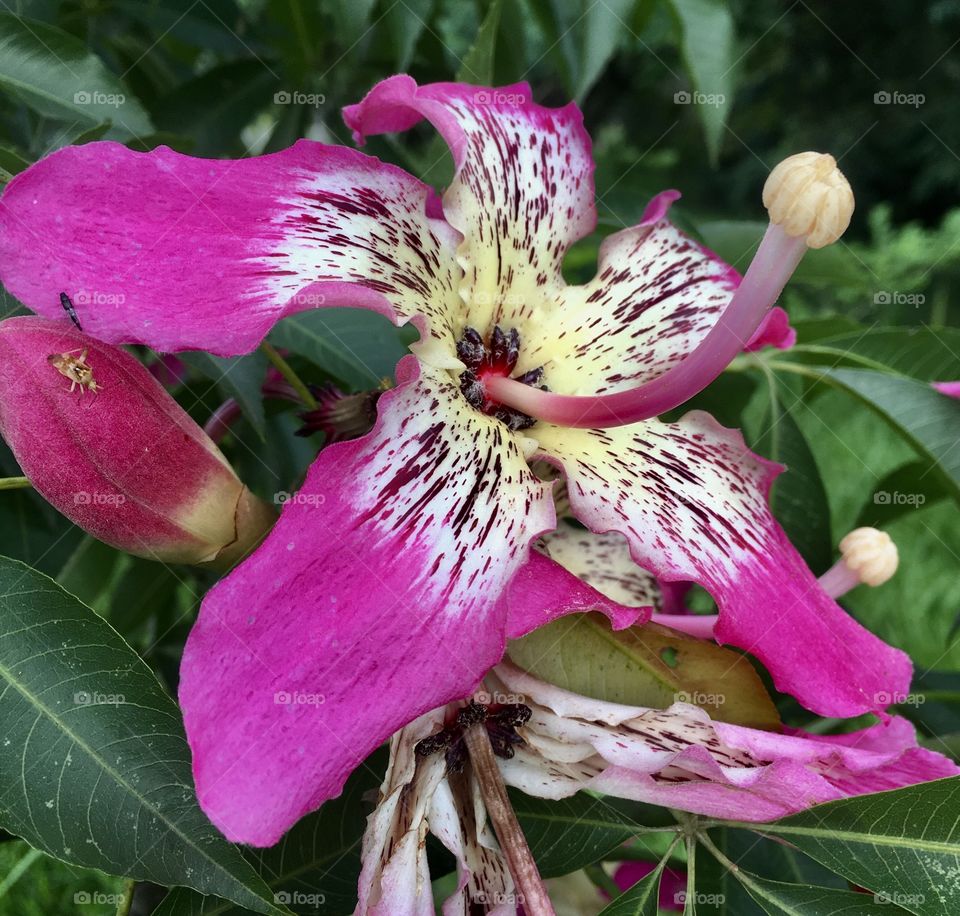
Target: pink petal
x=183, y=253
x=543, y=590
x=679, y=758
x=655, y=296
x=950, y=389
x=604, y=562
x=774, y=331
x=691, y=499
x=374, y=599
x=523, y=190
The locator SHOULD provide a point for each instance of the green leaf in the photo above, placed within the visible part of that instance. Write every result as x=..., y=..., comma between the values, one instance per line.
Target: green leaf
x=647, y=665
x=604, y=26
x=570, y=833
x=799, y=498
x=357, y=347
x=640, y=900
x=238, y=377
x=94, y=767
x=56, y=75
x=928, y=354
x=477, y=64
x=923, y=416
x=89, y=573
x=707, y=45
x=315, y=867
x=903, y=844
x=213, y=108
x=406, y=22
x=781, y=899
x=903, y=490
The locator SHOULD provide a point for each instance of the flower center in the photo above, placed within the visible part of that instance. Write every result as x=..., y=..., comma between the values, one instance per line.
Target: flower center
x=494, y=358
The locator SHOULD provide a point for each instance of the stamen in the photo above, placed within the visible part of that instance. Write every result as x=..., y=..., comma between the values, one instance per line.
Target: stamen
x=341, y=416
x=810, y=204
x=867, y=557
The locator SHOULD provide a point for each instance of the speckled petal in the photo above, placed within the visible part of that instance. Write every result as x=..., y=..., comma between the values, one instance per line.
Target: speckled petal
x=377, y=591
x=183, y=253
x=655, y=296
x=679, y=758
x=691, y=499
x=604, y=562
x=523, y=191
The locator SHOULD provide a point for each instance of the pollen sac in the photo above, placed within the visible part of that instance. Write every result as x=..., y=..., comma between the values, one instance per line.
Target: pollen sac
x=104, y=443
x=808, y=196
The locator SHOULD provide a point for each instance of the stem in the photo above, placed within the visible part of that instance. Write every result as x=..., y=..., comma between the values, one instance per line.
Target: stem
x=18, y=869
x=505, y=824
x=126, y=897
x=14, y=483
x=286, y=370
x=690, y=903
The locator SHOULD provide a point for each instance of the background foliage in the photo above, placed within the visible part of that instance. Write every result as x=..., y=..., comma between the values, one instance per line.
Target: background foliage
x=703, y=95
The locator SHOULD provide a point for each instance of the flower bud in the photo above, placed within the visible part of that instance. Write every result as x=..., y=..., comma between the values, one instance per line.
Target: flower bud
x=102, y=441
x=807, y=196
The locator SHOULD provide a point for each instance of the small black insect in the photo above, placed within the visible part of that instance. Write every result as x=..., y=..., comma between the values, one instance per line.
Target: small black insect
x=70, y=310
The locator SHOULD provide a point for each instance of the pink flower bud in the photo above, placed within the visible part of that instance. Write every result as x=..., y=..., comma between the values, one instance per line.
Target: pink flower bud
x=99, y=437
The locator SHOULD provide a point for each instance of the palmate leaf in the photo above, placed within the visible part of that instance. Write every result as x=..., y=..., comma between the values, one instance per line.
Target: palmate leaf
x=315, y=867
x=903, y=845
x=923, y=416
x=640, y=900
x=570, y=833
x=59, y=77
x=707, y=43
x=94, y=767
x=779, y=898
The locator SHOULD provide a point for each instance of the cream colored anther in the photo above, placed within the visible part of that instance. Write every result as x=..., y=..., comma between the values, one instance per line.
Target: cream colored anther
x=807, y=196
x=870, y=554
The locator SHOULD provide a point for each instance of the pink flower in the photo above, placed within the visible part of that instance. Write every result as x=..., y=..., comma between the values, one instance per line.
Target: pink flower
x=676, y=757
x=394, y=577
x=99, y=437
